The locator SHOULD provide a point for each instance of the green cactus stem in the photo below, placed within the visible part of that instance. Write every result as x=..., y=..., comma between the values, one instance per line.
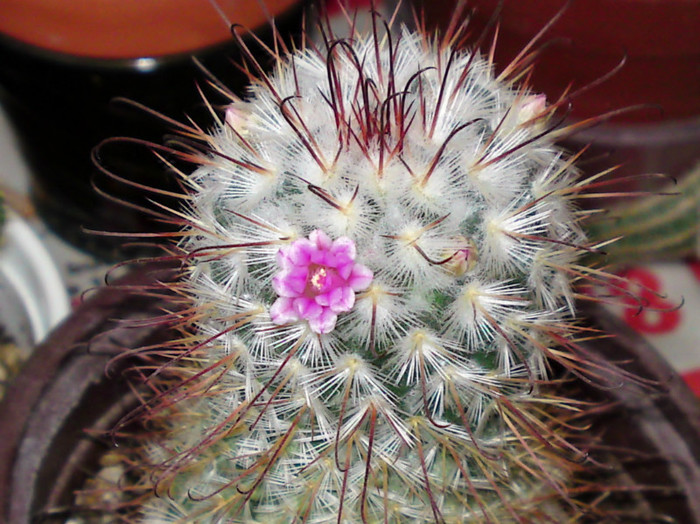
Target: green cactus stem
x=658, y=227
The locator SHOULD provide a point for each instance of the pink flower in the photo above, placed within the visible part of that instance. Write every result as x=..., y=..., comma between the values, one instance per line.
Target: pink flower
x=317, y=280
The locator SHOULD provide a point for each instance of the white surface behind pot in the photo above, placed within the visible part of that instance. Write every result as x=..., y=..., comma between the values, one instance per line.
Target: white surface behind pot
x=29, y=270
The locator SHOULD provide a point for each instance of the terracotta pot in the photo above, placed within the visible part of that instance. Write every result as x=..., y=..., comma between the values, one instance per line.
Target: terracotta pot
x=44, y=453
x=129, y=29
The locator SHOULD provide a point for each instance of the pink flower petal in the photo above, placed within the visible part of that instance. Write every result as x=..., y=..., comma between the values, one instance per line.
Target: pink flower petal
x=283, y=259
x=360, y=278
x=323, y=299
x=307, y=308
x=323, y=258
x=284, y=285
x=342, y=299
x=344, y=270
x=344, y=249
x=290, y=283
x=279, y=284
x=282, y=311
x=300, y=252
x=325, y=323
x=320, y=240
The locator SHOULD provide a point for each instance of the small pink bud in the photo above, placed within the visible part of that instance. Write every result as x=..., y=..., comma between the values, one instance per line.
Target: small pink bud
x=464, y=259
x=234, y=117
x=533, y=106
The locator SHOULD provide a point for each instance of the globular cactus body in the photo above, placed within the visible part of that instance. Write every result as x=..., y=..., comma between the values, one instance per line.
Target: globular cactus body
x=379, y=254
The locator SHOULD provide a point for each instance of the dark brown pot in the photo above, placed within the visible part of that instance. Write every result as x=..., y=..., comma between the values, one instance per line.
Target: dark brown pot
x=44, y=453
x=664, y=425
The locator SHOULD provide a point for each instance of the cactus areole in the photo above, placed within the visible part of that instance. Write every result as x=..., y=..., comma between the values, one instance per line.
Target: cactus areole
x=379, y=252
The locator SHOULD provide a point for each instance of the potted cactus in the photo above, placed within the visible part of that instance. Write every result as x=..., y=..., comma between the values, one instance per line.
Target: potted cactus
x=375, y=304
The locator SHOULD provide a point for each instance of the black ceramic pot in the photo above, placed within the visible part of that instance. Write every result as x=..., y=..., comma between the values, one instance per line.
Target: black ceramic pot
x=64, y=100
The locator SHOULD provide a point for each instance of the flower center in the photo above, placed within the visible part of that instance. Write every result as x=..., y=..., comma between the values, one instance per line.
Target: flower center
x=320, y=280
